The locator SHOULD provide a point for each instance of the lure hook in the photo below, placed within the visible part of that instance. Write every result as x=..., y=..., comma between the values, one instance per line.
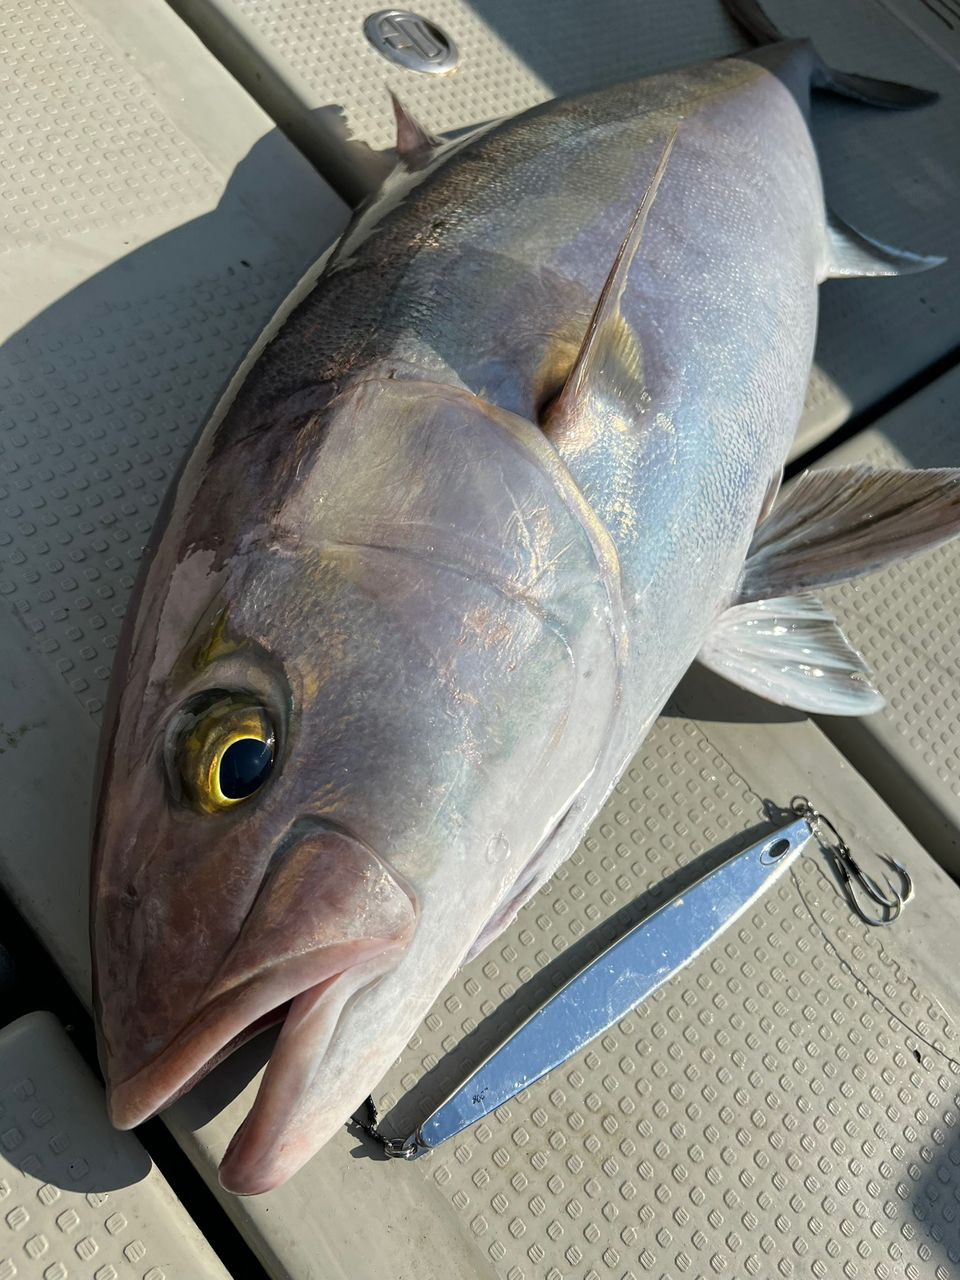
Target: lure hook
x=852, y=874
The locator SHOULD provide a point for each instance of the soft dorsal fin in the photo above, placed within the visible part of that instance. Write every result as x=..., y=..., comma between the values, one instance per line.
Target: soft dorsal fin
x=416, y=145
x=609, y=356
x=851, y=254
x=839, y=523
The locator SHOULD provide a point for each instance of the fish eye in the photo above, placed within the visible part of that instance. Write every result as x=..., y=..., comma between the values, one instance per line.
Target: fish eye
x=244, y=767
x=224, y=753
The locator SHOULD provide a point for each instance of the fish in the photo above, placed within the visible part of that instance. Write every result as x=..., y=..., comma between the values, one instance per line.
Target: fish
x=502, y=467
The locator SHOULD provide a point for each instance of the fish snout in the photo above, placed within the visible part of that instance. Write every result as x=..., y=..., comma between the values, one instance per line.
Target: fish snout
x=323, y=888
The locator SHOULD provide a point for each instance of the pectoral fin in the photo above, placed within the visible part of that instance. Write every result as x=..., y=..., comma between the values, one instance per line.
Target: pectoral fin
x=609, y=363
x=841, y=523
x=792, y=651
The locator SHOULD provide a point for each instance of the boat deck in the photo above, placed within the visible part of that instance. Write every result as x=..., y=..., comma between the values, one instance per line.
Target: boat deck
x=789, y=1105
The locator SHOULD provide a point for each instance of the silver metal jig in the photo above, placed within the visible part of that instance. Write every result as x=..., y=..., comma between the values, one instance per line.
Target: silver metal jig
x=852, y=874
x=607, y=988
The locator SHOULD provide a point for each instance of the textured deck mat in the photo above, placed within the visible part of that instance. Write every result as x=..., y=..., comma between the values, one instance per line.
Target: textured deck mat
x=766, y=1114
x=904, y=620
x=893, y=175
x=77, y=1198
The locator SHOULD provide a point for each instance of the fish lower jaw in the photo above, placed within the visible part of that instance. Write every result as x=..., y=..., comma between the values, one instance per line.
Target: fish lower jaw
x=229, y=1021
x=289, y=1121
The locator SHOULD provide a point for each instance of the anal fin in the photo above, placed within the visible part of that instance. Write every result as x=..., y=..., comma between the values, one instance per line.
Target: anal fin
x=851, y=254
x=792, y=651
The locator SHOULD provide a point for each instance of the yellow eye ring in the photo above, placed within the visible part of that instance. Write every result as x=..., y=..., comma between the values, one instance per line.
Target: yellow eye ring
x=226, y=755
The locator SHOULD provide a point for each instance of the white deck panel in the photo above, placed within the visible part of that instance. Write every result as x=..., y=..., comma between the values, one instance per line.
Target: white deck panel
x=766, y=1114
x=905, y=621
x=892, y=174
x=76, y=1197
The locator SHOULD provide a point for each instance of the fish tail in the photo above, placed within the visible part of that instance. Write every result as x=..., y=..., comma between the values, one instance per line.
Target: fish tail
x=867, y=89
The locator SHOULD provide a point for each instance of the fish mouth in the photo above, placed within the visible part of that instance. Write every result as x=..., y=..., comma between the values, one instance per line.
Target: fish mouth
x=240, y=1014
x=331, y=919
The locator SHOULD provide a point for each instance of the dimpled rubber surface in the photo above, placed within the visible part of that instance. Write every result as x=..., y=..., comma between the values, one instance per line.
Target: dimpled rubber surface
x=95, y=147
x=140, y=258
x=764, y=1114
x=76, y=1198
x=904, y=621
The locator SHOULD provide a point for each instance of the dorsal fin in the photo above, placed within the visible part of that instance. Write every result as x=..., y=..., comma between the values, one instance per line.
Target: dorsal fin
x=609, y=355
x=416, y=145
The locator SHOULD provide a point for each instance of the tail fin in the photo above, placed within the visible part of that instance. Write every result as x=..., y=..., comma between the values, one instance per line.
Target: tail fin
x=877, y=93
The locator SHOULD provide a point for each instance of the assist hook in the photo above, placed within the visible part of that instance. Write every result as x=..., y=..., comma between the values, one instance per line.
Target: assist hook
x=852, y=874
